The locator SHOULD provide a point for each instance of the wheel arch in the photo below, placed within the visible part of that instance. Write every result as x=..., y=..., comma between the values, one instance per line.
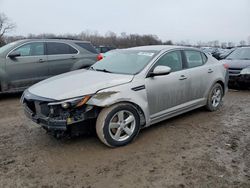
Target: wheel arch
x=222, y=84
x=138, y=108
x=217, y=81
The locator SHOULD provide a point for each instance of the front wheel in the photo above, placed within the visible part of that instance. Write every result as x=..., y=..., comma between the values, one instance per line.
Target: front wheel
x=118, y=125
x=214, y=100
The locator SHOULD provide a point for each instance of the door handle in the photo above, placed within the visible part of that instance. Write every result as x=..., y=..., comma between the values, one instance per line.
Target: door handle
x=73, y=57
x=41, y=60
x=210, y=71
x=183, y=77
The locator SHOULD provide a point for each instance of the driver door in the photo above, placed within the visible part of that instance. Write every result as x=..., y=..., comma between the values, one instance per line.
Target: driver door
x=167, y=91
x=28, y=68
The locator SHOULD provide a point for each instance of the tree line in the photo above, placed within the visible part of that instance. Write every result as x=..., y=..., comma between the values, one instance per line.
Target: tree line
x=109, y=39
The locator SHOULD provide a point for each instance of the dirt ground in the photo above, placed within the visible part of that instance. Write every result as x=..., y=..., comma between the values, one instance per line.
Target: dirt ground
x=197, y=149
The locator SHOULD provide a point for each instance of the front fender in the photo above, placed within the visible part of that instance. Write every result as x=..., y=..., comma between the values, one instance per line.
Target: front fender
x=122, y=93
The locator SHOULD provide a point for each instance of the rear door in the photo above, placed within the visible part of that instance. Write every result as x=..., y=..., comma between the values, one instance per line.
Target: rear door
x=199, y=74
x=61, y=57
x=30, y=67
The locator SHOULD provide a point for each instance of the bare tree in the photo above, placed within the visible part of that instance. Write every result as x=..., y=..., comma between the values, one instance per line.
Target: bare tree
x=243, y=43
x=5, y=27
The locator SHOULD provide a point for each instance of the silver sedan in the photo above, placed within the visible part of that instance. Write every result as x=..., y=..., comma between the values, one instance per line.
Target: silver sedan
x=127, y=91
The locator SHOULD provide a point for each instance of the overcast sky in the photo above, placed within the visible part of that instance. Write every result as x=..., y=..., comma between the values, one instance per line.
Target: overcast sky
x=193, y=20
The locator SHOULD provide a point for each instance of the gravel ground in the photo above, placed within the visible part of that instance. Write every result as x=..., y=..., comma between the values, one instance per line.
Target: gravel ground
x=197, y=149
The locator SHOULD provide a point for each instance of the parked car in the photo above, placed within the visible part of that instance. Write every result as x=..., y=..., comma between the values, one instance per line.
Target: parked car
x=127, y=91
x=26, y=62
x=208, y=50
x=218, y=53
x=224, y=53
x=239, y=67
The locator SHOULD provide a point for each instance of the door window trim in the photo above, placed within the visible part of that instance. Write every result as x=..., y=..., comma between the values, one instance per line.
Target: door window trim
x=46, y=49
x=186, y=62
x=25, y=44
x=164, y=53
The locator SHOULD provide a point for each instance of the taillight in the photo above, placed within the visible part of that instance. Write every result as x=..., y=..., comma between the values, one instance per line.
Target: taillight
x=226, y=66
x=99, y=57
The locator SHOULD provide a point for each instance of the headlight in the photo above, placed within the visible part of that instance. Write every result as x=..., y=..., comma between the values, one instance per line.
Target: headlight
x=72, y=103
x=245, y=71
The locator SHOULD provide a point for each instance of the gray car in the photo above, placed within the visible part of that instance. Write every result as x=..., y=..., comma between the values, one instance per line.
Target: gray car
x=238, y=63
x=127, y=91
x=26, y=62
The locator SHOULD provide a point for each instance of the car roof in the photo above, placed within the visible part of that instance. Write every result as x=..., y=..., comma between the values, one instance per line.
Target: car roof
x=53, y=40
x=160, y=47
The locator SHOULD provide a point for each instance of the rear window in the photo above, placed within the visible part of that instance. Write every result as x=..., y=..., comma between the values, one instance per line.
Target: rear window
x=87, y=46
x=56, y=48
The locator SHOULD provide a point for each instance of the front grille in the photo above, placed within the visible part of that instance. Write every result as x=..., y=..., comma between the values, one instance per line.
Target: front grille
x=234, y=71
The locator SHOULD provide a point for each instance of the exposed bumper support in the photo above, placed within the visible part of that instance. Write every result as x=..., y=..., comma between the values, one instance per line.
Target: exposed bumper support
x=46, y=122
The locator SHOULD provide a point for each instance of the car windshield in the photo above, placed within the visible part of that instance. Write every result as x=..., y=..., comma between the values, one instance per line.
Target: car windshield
x=124, y=61
x=7, y=46
x=240, y=54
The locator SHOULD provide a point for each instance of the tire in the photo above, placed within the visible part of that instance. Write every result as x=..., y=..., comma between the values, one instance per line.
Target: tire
x=118, y=133
x=215, y=96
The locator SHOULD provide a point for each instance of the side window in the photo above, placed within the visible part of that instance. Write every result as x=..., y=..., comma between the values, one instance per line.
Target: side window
x=194, y=58
x=87, y=46
x=56, y=48
x=204, y=58
x=31, y=49
x=104, y=49
x=172, y=60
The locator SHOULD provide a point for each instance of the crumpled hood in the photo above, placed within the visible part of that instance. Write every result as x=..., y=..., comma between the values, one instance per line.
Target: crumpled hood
x=237, y=63
x=77, y=83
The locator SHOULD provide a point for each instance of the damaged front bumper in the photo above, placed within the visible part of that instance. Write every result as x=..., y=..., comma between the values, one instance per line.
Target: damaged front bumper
x=54, y=117
x=46, y=122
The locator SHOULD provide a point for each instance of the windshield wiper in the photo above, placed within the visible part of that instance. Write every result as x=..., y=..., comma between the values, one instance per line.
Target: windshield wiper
x=103, y=70
x=91, y=68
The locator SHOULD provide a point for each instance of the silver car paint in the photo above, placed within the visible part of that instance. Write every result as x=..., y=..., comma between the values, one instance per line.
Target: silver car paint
x=155, y=102
x=77, y=83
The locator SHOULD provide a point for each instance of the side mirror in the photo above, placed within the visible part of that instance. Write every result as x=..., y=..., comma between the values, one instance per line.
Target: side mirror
x=160, y=71
x=14, y=55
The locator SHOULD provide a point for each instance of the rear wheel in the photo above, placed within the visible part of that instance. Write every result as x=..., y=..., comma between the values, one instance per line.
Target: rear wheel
x=118, y=125
x=214, y=100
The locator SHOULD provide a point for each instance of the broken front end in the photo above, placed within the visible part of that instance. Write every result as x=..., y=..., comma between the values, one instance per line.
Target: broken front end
x=72, y=116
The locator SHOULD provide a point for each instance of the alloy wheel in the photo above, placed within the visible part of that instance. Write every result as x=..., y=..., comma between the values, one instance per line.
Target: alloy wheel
x=122, y=125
